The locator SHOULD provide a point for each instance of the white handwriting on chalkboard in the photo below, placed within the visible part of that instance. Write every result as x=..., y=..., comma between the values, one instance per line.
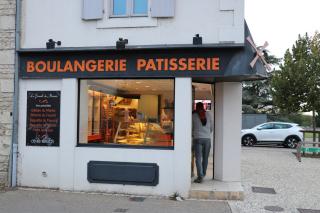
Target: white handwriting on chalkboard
x=45, y=140
x=43, y=95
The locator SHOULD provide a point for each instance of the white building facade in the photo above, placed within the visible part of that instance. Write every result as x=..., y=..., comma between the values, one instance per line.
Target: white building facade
x=97, y=116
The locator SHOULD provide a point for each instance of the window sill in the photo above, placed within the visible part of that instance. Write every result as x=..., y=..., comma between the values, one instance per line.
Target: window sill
x=127, y=22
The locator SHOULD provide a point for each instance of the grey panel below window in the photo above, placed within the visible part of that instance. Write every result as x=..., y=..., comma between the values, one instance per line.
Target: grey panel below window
x=123, y=173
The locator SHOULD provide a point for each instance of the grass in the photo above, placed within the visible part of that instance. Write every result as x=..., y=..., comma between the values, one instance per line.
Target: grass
x=308, y=135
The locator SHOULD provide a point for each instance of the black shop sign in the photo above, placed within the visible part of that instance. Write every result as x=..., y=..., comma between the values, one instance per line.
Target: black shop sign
x=212, y=62
x=43, y=118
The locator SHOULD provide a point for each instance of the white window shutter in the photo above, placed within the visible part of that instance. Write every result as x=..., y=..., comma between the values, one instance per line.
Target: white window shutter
x=92, y=9
x=162, y=8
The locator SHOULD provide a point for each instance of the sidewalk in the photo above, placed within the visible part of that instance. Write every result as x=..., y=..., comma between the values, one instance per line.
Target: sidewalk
x=45, y=201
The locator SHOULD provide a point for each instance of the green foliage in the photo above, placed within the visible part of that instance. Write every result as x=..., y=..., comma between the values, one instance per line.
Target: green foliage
x=248, y=109
x=296, y=86
x=256, y=95
x=318, y=120
x=302, y=120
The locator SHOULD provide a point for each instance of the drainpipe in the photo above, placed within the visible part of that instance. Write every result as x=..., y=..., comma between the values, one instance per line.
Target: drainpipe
x=14, y=145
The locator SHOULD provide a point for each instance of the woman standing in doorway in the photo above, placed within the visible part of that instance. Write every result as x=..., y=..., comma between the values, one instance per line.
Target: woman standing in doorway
x=201, y=132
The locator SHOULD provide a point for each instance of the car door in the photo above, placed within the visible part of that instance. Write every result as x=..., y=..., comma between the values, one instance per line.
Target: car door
x=265, y=132
x=282, y=131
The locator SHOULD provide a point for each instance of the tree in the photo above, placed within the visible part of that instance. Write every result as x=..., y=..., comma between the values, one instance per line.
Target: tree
x=296, y=86
x=256, y=96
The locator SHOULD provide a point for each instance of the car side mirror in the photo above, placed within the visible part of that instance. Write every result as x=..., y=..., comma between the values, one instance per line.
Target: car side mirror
x=259, y=128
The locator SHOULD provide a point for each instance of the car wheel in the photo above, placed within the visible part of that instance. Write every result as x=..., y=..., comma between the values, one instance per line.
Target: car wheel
x=248, y=140
x=291, y=142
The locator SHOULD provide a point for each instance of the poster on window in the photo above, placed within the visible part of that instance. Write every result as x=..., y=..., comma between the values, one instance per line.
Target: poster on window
x=43, y=118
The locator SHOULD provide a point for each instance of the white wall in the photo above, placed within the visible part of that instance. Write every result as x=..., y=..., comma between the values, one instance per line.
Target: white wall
x=32, y=161
x=66, y=165
x=227, y=157
x=215, y=20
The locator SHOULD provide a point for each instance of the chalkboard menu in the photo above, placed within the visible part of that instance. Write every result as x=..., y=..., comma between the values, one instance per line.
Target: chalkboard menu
x=43, y=118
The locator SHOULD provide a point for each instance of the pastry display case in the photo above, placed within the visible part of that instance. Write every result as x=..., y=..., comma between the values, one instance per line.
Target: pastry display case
x=142, y=133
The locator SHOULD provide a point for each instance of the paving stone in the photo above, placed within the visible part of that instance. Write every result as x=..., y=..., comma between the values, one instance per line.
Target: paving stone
x=137, y=199
x=308, y=211
x=264, y=190
x=274, y=208
x=120, y=210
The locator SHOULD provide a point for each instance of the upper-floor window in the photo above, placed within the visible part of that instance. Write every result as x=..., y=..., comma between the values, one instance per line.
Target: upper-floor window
x=125, y=8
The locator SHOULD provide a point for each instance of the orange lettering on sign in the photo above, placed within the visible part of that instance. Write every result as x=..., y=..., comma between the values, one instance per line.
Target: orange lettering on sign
x=159, y=63
x=165, y=64
x=215, y=64
x=51, y=66
x=68, y=66
x=141, y=63
x=191, y=64
x=151, y=65
x=201, y=64
x=59, y=68
x=116, y=65
x=30, y=66
x=109, y=65
x=173, y=64
x=183, y=64
x=123, y=65
x=40, y=66
x=78, y=66
x=91, y=65
x=100, y=65
x=208, y=63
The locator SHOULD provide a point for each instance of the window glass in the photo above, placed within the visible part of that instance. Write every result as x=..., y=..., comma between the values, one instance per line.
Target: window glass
x=278, y=126
x=282, y=126
x=136, y=112
x=119, y=7
x=266, y=126
x=140, y=6
x=286, y=126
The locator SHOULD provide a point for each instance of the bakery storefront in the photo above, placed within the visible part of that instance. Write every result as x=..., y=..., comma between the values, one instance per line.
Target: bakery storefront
x=119, y=121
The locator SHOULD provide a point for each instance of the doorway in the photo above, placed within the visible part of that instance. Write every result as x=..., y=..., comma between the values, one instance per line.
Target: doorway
x=203, y=92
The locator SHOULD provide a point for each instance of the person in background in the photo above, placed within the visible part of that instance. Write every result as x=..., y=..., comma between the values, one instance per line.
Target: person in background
x=201, y=132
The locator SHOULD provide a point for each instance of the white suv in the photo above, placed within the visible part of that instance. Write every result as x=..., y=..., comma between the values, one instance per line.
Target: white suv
x=287, y=134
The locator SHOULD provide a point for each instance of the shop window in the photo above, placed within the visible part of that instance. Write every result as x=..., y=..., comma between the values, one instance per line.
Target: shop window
x=125, y=8
x=136, y=112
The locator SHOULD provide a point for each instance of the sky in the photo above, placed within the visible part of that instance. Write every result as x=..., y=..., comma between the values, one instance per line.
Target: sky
x=281, y=21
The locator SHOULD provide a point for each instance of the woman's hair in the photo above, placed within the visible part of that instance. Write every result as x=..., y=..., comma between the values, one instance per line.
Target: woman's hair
x=202, y=113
